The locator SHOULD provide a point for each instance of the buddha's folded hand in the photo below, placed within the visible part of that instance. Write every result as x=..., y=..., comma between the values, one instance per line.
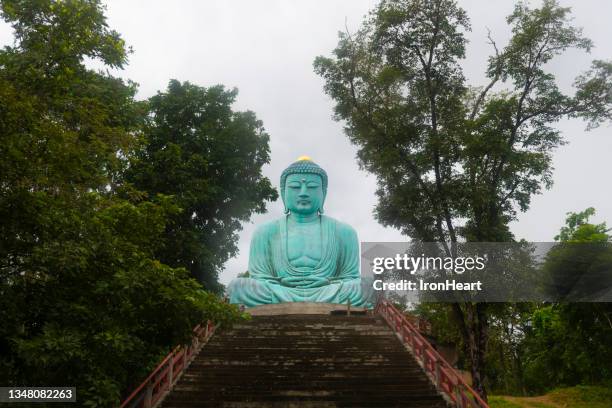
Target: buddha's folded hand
x=304, y=282
x=273, y=280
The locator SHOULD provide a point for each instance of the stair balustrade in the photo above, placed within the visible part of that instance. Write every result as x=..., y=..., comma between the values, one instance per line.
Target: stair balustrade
x=441, y=374
x=444, y=376
x=167, y=373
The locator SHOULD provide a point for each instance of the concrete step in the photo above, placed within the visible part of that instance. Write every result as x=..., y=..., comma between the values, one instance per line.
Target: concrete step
x=305, y=361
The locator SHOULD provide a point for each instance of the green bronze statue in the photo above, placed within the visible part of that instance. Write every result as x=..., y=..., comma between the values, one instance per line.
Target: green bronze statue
x=304, y=256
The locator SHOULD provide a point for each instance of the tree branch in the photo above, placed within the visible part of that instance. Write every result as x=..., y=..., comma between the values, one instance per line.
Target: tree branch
x=494, y=80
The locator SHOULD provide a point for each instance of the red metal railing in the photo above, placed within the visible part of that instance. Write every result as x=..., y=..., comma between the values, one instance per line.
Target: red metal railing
x=161, y=380
x=444, y=376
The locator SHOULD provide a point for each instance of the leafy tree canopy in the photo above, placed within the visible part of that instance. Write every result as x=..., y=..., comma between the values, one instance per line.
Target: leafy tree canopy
x=454, y=160
x=209, y=158
x=578, y=229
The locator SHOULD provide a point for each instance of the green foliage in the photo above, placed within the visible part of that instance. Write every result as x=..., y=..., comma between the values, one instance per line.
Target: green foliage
x=209, y=158
x=104, y=312
x=583, y=396
x=57, y=35
x=576, y=397
x=580, y=263
x=509, y=324
x=577, y=228
x=84, y=299
x=444, y=152
x=571, y=341
x=443, y=324
x=387, y=85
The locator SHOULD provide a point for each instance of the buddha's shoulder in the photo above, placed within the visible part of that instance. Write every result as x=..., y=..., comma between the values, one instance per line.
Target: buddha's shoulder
x=267, y=228
x=341, y=227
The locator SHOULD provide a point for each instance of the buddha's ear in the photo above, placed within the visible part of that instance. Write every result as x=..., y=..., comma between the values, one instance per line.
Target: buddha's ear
x=286, y=210
x=321, y=211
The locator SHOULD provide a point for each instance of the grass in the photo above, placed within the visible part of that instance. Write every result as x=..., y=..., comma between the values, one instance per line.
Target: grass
x=501, y=402
x=582, y=396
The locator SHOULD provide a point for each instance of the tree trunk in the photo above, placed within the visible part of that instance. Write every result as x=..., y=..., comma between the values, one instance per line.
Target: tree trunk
x=476, y=342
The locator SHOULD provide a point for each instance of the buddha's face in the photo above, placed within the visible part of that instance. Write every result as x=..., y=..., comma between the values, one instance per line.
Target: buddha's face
x=304, y=193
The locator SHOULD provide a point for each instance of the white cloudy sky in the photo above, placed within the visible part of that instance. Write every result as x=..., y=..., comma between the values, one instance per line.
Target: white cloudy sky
x=265, y=48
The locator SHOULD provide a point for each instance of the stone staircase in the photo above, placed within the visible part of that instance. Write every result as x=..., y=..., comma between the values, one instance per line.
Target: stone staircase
x=303, y=361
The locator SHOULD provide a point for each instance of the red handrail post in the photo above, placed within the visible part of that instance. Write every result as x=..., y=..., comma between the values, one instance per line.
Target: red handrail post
x=171, y=373
x=437, y=373
x=458, y=398
x=148, y=396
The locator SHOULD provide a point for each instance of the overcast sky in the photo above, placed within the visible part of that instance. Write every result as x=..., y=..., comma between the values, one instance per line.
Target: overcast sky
x=265, y=48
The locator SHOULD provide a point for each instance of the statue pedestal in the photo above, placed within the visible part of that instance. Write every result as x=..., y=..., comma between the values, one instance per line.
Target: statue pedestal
x=303, y=308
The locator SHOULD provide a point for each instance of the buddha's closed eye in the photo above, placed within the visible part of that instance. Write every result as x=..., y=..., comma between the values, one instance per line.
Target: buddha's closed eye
x=297, y=186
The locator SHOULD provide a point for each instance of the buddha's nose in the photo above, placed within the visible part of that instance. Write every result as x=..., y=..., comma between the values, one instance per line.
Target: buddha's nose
x=304, y=191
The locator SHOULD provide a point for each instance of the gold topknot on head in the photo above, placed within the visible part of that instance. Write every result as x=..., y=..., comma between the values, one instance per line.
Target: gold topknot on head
x=304, y=158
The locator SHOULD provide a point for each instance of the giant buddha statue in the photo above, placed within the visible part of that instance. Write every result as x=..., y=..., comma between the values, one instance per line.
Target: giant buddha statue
x=304, y=256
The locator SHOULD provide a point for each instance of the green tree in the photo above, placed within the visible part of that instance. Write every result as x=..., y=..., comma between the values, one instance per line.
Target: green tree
x=578, y=229
x=209, y=158
x=571, y=341
x=453, y=161
x=83, y=300
x=580, y=264
x=509, y=324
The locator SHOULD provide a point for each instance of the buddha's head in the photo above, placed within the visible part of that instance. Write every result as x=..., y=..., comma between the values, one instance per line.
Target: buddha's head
x=303, y=187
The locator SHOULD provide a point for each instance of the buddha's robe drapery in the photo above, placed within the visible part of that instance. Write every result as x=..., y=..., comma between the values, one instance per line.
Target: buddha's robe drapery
x=268, y=263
